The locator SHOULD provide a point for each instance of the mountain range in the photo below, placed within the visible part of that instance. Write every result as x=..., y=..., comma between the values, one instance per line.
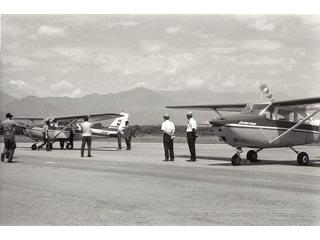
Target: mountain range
x=145, y=106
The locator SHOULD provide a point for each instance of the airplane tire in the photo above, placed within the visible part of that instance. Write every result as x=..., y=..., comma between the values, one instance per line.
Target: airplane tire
x=303, y=158
x=69, y=146
x=236, y=160
x=252, y=156
x=34, y=147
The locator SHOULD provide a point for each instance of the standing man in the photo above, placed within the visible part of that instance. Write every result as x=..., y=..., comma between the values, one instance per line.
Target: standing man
x=128, y=133
x=45, y=134
x=119, y=132
x=71, y=136
x=191, y=136
x=168, y=129
x=7, y=127
x=86, y=135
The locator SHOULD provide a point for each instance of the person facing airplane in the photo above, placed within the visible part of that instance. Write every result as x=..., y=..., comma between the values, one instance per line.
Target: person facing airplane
x=168, y=130
x=45, y=134
x=191, y=136
x=86, y=136
x=7, y=127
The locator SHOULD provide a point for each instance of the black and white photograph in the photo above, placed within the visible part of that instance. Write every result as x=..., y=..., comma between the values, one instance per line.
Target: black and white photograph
x=160, y=119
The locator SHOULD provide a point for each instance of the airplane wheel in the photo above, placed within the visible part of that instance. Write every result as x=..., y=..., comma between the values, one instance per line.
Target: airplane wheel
x=69, y=146
x=252, y=156
x=34, y=146
x=303, y=158
x=236, y=160
x=50, y=146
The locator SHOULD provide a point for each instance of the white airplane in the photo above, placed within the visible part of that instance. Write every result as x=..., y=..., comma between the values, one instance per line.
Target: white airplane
x=60, y=127
x=274, y=124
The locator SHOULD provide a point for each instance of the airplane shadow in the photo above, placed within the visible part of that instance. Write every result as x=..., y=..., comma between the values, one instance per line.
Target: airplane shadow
x=312, y=163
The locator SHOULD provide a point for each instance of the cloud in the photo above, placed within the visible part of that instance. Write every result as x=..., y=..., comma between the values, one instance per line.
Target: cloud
x=124, y=24
x=261, y=45
x=64, y=88
x=20, y=84
x=74, y=54
x=194, y=82
x=256, y=22
x=179, y=62
x=51, y=31
x=153, y=46
x=16, y=61
x=173, y=29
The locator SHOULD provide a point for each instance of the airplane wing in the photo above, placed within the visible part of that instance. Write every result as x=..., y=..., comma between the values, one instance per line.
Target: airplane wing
x=92, y=117
x=302, y=105
x=298, y=102
x=210, y=107
x=29, y=118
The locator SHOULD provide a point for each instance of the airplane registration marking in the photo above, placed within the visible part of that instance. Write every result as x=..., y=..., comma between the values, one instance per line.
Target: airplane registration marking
x=247, y=123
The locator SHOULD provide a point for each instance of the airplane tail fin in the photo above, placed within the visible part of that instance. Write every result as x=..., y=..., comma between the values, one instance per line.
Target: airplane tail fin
x=122, y=120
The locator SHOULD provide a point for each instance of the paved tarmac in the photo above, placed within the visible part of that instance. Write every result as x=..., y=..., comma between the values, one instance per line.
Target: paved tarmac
x=137, y=188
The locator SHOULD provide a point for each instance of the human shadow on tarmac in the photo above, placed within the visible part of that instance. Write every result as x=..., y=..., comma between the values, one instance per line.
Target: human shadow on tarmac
x=313, y=163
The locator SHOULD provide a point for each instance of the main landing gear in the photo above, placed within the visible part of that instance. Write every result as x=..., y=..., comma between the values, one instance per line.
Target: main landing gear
x=34, y=146
x=252, y=156
x=302, y=157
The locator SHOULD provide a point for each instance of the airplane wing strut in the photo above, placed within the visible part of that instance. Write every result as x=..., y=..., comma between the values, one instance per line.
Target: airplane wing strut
x=69, y=124
x=296, y=125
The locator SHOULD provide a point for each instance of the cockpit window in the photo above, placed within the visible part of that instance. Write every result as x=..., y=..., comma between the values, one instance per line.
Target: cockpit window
x=249, y=109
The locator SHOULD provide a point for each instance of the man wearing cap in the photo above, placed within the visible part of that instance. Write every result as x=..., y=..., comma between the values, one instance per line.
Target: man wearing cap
x=191, y=136
x=7, y=127
x=168, y=129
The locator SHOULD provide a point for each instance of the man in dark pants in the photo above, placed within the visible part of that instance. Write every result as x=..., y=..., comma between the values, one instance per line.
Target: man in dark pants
x=168, y=129
x=86, y=135
x=191, y=136
x=7, y=127
x=128, y=133
x=71, y=136
x=45, y=134
x=119, y=133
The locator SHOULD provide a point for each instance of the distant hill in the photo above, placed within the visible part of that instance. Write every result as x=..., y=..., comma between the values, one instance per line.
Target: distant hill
x=145, y=106
x=5, y=99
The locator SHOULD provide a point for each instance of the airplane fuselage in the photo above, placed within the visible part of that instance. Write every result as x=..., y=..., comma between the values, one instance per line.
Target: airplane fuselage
x=258, y=133
x=36, y=134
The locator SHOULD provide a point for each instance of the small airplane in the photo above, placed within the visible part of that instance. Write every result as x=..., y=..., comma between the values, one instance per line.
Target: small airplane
x=274, y=124
x=60, y=127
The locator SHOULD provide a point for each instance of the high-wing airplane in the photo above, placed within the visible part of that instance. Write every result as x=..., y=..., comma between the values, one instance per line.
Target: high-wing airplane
x=60, y=127
x=274, y=124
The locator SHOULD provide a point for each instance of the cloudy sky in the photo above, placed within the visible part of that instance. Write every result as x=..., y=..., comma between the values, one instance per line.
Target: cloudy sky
x=75, y=55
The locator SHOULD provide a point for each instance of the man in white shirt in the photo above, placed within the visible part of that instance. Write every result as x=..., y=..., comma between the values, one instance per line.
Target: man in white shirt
x=86, y=135
x=45, y=134
x=191, y=136
x=168, y=129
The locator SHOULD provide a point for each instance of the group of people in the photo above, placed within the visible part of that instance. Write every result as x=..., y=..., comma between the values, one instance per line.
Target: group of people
x=127, y=132
x=168, y=130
